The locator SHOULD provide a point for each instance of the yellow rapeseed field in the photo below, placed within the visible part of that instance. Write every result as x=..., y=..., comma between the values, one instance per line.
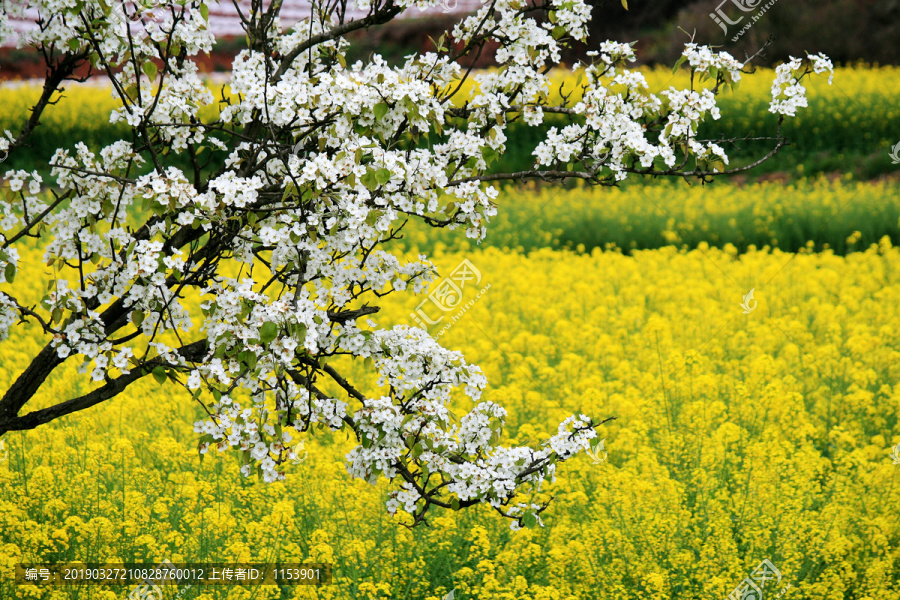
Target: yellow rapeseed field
x=841, y=214
x=740, y=435
x=747, y=429
x=849, y=82
x=876, y=88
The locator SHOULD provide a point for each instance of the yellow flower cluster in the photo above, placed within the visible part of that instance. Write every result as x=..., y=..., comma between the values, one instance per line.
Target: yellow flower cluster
x=83, y=106
x=746, y=429
x=874, y=87
x=861, y=81
x=857, y=113
x=841, y=215
x=87, y=105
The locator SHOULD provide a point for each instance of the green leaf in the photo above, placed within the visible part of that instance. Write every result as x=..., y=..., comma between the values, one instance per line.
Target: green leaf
x=625, y=4
x=157, y=208
x=149, y=68
x=10, y=272
x=369, y=180
x=454, y=503
x=417, y=451
x=373, y=216
x=159, y=374
x=289, y=190
x=204, y=12
x=529, y=520
x=382, y=176
x=495, y=437
x=489, y=154
x=137, y=317
x=268, y=332
x=380, y=110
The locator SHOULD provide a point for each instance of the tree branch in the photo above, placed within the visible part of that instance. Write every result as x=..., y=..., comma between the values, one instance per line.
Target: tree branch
x=349, y=315
x=113, y=387
x=377, y=18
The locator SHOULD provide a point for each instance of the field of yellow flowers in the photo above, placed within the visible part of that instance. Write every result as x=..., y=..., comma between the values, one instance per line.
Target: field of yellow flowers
x=747, y=429
x=842, y=215
x=740, y=435
x=857, y=116
x=855, y=120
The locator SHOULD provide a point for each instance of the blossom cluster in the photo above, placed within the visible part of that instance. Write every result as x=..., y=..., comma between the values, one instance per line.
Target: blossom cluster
x=788, y=94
